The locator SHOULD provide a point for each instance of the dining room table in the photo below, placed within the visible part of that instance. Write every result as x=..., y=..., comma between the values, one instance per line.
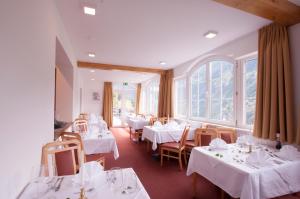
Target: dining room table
x=137, y=123
x=231, y=170
x=95, y=142
x=114, y=184
x=162, y=134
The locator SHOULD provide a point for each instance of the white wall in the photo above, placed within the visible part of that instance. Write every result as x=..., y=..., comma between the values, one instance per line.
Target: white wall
x=27, y=53
x=234, y=49
x=294, y=33
x=88, y=86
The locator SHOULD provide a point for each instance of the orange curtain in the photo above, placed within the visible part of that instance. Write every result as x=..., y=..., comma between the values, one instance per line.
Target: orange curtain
x=165, y=99
x=274, y=97
x=108, y=103
x=138, y=98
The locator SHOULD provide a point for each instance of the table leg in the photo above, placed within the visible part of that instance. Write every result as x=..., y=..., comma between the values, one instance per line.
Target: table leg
x=195, y=175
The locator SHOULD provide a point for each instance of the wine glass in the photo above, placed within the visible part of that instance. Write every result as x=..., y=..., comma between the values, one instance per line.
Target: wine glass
x=115, y=179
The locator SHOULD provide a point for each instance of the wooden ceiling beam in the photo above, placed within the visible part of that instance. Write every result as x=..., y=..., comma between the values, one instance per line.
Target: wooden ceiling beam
x=280, y=11
x=91, y=65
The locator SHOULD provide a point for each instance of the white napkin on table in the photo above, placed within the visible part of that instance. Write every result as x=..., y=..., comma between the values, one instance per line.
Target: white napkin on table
x=172, y=124
x=259, y=158
x=217, y=144
x=245, y=139
x=91, y=171
x=157, y=124
x=288, y=152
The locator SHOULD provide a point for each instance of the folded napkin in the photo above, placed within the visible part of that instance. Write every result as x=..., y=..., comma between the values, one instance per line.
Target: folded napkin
x=259, y=158
x=90, y=171
x=217, y=144
x=171, y=124
x=182, y=124
x=288, y=152
x=245, y=139
x=157, y=124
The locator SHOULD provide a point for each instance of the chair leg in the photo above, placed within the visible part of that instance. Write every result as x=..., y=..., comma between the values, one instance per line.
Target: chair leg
x=168, y=155
x=129, y=132
x=185, y=160
x=161, y=157
x=180, y=161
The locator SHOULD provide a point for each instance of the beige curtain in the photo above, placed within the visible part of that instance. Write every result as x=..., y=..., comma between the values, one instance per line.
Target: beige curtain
x=138, y=98
x=165, y=99
x=108, y=103
x=274, y=98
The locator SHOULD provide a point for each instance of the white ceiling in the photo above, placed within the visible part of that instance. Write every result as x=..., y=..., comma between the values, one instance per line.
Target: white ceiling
x=144, y=32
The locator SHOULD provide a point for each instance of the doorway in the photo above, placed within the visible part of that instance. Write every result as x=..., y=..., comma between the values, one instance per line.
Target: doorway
x=124, y=103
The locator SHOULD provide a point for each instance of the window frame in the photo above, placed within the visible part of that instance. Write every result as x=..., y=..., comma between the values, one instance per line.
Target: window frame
x=195, y=67
x=183, y=77
x=241, y=89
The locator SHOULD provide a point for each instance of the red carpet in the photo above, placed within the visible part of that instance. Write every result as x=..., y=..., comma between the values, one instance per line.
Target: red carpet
x=165, y=182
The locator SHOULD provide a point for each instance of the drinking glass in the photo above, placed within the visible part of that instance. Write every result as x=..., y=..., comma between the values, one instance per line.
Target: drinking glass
x=115, y=179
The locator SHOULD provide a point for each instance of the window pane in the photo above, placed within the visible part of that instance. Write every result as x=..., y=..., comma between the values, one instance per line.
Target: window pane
x=180, y=99
x=198, y=89
x=221, y=90
x=250, y=73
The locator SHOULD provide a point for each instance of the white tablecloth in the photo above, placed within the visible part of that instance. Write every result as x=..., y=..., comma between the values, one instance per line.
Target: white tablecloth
x=100, y=143
x=243, y=181
x=158, y=135
x=137, y=124
x=101, y=189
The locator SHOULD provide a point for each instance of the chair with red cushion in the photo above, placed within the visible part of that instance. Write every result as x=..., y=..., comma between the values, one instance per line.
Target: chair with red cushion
x=204, y=136
x=175, y=147
x=60, y=156
x=227, y=134
x=94, y=157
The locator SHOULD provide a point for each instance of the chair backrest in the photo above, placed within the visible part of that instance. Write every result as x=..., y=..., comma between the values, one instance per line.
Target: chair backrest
x=66, y=136
x=204, y=136
x=184, y=136
x=152, y=120
x=227, y=134
x=163, y=120
x=84, y=116
x=81, y=125
x=62, y=157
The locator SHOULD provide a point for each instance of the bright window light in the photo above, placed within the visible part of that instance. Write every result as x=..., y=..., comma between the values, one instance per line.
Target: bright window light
x=89, y=10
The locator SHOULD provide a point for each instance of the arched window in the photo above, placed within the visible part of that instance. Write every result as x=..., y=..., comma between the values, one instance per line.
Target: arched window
x=212, y=91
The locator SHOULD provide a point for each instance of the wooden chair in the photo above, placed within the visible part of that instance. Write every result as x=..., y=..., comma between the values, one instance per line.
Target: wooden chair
x=63, y=157
x=204, y=136
x=175, y=147
x=65, y=136
x=152, y=120
x=84, y=116
x=164, y=120
x=81, y=125
x=227, y=134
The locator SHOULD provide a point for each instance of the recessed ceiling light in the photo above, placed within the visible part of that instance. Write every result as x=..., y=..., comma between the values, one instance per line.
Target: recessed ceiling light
x=92, y=55
x=92, y=71
x=92, y=79
x=210, y=34
x=162, y=63
x=89, y=10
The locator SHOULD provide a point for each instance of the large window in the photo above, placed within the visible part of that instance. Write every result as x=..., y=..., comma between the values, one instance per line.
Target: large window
x=212, y=89
x=222, y=91
x=180, y=97
x=249, y=88
x=149, y=98
x=198, y=95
